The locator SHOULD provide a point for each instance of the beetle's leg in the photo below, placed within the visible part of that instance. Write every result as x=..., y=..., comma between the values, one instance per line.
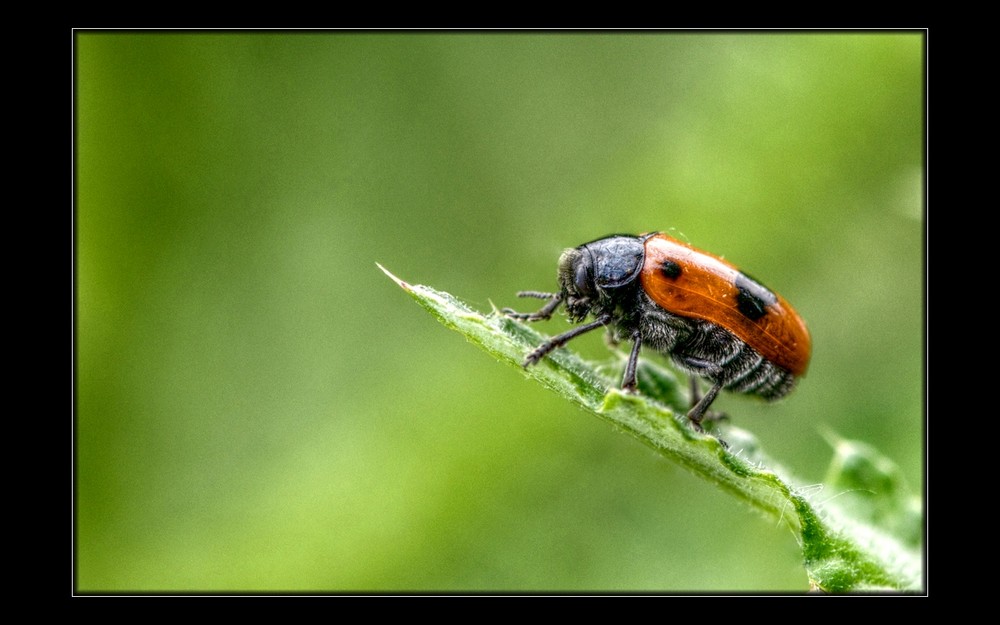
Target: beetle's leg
x=709, y=415
x=697, y=412
x=629, y=381
x=542, y=314
x=703, y=367
x=562, y=339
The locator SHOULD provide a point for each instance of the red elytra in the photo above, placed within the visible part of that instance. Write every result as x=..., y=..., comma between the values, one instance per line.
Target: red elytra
x=707, y=287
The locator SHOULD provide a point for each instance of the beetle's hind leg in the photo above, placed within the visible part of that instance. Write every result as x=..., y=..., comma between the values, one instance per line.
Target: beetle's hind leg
x=545, y=312
x=699, y=411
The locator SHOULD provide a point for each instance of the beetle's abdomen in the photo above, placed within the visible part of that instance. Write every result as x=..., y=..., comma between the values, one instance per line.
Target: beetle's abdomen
x=716, y=354
x=707, y=350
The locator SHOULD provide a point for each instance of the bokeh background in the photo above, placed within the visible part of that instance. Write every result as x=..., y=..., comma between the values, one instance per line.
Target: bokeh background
x=258, y=408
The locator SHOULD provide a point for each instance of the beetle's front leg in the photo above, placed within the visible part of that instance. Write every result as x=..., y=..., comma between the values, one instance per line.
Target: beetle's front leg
x=545, y=312
x=562, y=339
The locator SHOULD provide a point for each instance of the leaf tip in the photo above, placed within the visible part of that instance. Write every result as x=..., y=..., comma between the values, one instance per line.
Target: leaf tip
x=402, y=284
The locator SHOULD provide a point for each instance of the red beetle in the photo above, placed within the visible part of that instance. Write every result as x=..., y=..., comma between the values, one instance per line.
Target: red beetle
x=713, y=320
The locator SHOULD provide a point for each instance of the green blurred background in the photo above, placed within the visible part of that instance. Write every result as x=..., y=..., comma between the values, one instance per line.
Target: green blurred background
x=258, y=408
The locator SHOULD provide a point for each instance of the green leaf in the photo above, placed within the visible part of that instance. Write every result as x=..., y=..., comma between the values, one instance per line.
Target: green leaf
x=866, y=539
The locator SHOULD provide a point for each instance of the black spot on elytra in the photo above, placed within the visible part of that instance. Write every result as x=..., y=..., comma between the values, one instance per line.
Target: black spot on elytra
x=749, y=305
x=670, y=269
x=753, y=298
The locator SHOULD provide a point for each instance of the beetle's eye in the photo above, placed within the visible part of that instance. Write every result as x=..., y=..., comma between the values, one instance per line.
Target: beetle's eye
x=581, y=279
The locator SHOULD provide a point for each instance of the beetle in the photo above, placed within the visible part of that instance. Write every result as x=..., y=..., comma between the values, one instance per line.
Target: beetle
x=713, y=321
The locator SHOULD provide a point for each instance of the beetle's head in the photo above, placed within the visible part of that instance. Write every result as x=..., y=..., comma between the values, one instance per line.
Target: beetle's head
x=592, y=275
